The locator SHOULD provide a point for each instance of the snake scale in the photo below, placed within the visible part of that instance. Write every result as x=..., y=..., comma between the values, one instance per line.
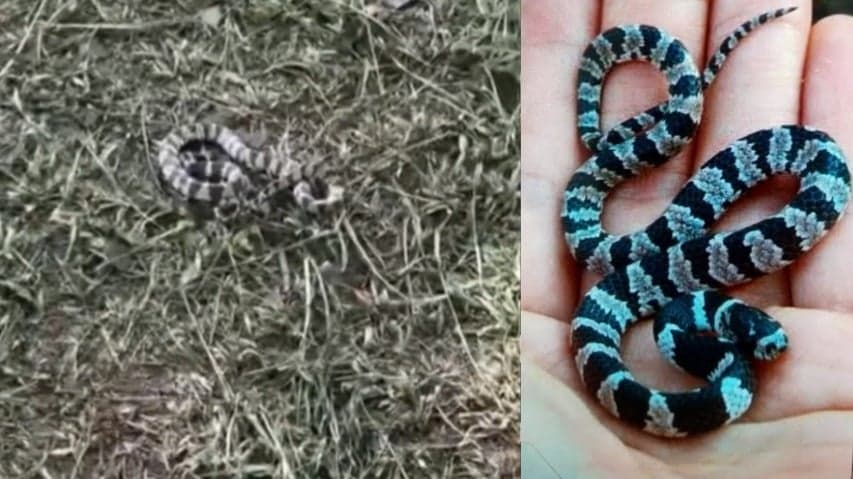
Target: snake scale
x=210, y=164
x=675, y=266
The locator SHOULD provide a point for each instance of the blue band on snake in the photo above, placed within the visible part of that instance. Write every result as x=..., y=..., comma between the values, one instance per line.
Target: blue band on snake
x=675, y=267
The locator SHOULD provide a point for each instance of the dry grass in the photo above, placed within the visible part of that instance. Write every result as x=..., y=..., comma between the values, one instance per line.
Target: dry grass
x=375, y=341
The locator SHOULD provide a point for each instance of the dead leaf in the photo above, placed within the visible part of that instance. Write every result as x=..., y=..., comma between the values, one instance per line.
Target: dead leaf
x=211, y=15
x=364, y=297
x=191, y=272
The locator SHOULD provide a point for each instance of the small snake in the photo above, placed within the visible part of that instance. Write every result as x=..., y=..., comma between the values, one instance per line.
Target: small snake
x=675, y=266
x=211, y=164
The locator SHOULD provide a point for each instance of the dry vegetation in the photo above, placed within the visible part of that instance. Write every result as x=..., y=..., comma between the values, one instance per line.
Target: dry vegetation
x=377, y=340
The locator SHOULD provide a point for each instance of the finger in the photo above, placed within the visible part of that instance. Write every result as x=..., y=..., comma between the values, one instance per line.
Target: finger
x=546, y=341
x=824, y=278
x=559, y=435
x=553, y=36
x=559, y=438
x=815, y=373
x=632, y=88
x=758, y=87
x=812, y=445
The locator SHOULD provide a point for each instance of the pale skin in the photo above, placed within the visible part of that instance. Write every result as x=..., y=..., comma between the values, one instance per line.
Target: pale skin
x=788, y=71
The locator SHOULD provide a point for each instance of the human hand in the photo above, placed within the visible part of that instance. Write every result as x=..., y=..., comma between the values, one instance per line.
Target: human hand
x=800, y=422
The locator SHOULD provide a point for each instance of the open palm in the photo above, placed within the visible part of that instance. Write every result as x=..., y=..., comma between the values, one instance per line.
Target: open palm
x=801, y=423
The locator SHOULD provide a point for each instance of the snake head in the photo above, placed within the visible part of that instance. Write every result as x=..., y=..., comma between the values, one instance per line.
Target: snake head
x=756, y=332
x=771, y=345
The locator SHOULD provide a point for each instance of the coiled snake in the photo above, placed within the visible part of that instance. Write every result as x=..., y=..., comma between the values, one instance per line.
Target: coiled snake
x=674, y=265
x=210, y=164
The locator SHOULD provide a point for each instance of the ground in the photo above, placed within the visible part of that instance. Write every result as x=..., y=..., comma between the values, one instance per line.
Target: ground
x=375, y=340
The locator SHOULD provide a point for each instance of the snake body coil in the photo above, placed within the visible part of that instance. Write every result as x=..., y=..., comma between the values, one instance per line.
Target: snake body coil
x=674, y=266
x=211, y=164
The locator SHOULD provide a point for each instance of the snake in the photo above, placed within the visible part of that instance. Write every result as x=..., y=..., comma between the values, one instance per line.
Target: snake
x=205, y=163
x=675, y=268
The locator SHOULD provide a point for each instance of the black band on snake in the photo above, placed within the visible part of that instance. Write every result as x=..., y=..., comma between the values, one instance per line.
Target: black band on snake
x=675, y=266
